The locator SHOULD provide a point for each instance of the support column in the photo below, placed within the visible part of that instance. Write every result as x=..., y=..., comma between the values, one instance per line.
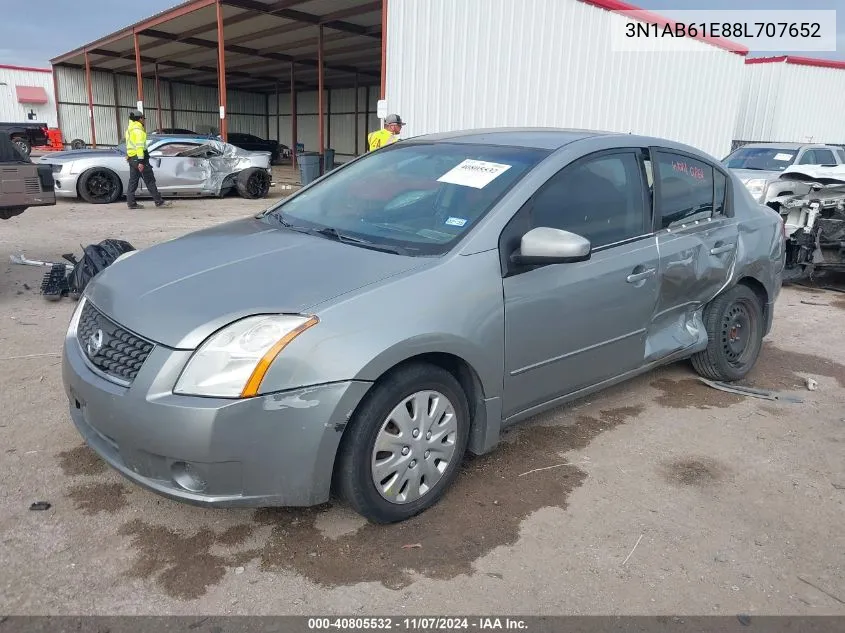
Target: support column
x=158, y=99
x=366, y=117
x=329, y=118
x=138, y=72
x=278, y=115
x=172, y=106
x=56, y=97
x=221, y=71
x=293, y=116
x=320, y=97
x=357, y=96
x=90, y=100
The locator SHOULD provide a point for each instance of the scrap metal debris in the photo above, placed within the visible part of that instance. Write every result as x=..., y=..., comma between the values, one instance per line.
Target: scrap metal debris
x=24, y=261
x=751, y=392
x=812, y=385
x=40, y=506
x=412, y=546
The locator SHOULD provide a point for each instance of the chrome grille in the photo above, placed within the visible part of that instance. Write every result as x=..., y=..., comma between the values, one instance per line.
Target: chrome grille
x=32, y=185
x=110, y=348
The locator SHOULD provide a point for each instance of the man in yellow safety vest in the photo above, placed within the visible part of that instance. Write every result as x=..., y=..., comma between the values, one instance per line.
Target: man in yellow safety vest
x=387, y=135
x=139, y=162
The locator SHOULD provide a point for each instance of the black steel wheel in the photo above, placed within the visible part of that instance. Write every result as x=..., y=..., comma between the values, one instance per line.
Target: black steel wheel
x=100, y=186
x=253, y=183
x=734, y=322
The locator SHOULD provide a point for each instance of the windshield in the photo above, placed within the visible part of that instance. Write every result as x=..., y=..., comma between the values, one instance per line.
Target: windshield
x=761, y=158
x=419, y=198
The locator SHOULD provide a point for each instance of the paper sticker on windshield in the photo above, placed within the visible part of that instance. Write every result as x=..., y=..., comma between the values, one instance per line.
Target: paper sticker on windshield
x=784, y=156
x=456, y=222
x=474, y=173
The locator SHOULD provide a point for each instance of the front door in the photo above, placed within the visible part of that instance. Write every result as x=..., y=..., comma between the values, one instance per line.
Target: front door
x=572, y=326
x=697, y=237
x=175, y=173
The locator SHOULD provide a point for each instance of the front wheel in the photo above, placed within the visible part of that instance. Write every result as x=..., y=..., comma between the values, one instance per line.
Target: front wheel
x=404, y=446
x=734, y=323
x=100, y=186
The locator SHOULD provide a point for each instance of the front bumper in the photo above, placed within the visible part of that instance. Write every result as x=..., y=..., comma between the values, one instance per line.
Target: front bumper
x=275, y=450
x=65, y=185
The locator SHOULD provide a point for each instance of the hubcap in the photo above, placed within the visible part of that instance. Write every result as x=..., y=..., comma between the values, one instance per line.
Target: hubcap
x=414, y=447
x=100, y=186
x=737, y=332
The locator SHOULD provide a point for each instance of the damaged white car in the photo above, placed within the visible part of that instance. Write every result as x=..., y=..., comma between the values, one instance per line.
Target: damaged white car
x=184, y=167
x=814, y=222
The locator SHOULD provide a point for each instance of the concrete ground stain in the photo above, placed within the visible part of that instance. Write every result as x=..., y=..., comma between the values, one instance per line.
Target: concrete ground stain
x=183, y=566
x=99, y=497
x=693, y=471
x=482, y=510
x=81, y=461
x=691, y=393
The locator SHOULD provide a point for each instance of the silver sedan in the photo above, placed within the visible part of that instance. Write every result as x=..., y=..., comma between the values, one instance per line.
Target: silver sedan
x=366, y=332
x=185, y=166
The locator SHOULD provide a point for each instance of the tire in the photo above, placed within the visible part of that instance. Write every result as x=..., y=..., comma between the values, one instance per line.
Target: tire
x=23, y=145
x=354, y=479
x=100, y=186
x=253, y=183
x=10, y=212
x=77, y=143
x=735, y=313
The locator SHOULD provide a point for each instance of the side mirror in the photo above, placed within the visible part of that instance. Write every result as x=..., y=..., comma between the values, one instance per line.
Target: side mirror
x=545, y=245
x=156, y=154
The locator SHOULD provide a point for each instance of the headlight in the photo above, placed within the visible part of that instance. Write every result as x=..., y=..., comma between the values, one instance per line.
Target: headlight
x=232, y=362
x=57, y=168
x=756, y=187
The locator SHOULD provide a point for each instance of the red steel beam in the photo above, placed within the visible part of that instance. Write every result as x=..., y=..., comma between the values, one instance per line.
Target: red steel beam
x=139, y=72
x=90, y=100
x=56, y=97
x=293, y=112
x=320, y=89
x=221, y=69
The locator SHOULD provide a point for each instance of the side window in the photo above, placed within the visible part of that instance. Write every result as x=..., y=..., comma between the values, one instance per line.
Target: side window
x=686, y=189
x=600, y=198
x=720, y=187
x=808, y=158
x=825, y=157
x=841, y=153
x=174, y=149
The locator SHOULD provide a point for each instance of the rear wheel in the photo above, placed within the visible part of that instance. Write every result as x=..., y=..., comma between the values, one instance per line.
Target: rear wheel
x=100, y=186
x=734, y=323
x=253, y=183
x=404, y=446
x=22, y=144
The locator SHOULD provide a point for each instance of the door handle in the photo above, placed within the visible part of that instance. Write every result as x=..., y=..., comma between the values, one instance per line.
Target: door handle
x=724, y=248
x=635, y=277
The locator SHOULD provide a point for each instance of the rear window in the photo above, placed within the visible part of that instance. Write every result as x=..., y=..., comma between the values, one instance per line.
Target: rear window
x=422, y=197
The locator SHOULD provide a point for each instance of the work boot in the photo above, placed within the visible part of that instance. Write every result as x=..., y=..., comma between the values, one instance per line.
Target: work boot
x=136, y=206
x=164, y=203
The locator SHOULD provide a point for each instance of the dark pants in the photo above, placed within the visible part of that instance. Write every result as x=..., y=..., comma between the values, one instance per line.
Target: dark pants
x=149, y=181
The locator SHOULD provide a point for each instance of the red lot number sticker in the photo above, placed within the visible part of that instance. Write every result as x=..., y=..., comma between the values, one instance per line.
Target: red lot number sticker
x=689, y=170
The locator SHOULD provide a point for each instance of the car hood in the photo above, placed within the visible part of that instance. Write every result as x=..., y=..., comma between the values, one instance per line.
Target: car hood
x=178, y=292
x=77, y=154
x=753, y=174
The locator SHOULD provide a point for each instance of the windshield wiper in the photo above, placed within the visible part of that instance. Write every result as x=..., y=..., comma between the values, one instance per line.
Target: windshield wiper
x=333, y=233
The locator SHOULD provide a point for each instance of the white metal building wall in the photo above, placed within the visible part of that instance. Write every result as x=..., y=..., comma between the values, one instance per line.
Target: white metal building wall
x=479, y=63
x=183, y=106
x=13, y=112
x=791, y=103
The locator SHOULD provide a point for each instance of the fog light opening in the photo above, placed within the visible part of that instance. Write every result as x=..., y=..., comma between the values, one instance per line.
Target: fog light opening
x=188, y=477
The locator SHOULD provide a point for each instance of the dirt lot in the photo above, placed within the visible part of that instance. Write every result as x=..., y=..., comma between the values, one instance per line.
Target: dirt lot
x=660, y=496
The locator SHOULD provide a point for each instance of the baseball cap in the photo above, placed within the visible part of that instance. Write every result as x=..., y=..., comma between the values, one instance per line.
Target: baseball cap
x=394, y=118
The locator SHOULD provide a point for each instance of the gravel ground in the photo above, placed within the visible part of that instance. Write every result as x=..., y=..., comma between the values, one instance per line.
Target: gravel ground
x=659, y=496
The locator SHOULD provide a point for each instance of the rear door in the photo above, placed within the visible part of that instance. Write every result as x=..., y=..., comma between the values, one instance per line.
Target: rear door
x=571, y=326
x=697, y=239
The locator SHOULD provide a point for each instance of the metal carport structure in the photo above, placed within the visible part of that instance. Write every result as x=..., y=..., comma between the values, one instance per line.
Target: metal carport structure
x=246, y=50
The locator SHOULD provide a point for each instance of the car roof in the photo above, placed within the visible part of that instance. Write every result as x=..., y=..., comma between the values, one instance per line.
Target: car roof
x=529, y=137
x=189, y=138
x=782, y=145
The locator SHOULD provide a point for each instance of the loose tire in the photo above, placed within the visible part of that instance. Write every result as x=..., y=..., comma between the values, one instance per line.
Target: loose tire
x=404, y=444
x=22, y=144
x=77, y=143
x=253, y=183
x=734, y=323
x=100, y=186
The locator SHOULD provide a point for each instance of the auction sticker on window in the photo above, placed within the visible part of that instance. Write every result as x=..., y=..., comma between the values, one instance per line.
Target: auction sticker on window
x=784, y=156
x=474, y=173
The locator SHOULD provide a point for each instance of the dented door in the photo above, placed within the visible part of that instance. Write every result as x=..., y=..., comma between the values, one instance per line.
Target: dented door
x=181, y=173
x=697, y=243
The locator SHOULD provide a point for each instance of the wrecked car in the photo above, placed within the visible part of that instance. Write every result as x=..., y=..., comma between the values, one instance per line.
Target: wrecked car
x=184, y=167
x=434, y=293
x=814, y=222
x=22, y=184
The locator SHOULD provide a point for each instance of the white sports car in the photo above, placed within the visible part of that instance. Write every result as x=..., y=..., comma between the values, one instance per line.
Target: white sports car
x=185, y=166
